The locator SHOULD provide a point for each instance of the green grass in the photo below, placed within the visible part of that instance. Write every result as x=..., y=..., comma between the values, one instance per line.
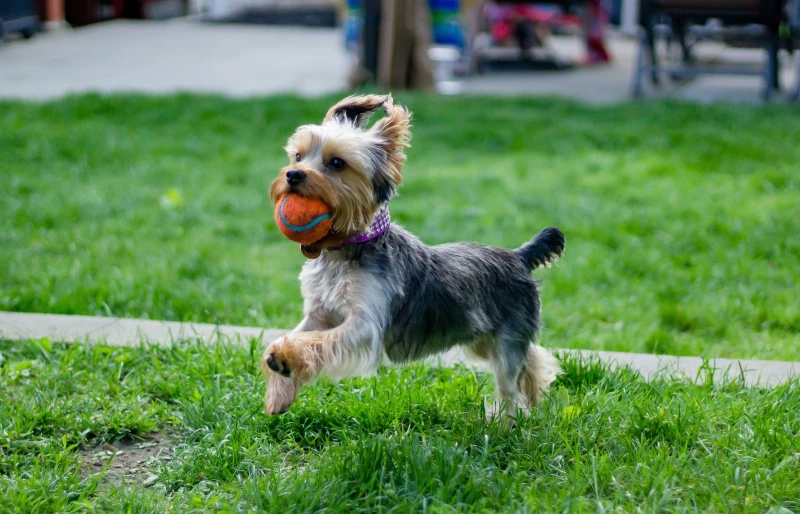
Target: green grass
x=681, y=219
x=411, y=440
x=682, y=225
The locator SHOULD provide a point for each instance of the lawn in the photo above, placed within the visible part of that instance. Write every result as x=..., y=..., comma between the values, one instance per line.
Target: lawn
x=681, y=219
x=194, y=439
x=681, y=223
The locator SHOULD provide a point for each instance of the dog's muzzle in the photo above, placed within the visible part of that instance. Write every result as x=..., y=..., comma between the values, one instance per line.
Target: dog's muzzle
x=295, y=177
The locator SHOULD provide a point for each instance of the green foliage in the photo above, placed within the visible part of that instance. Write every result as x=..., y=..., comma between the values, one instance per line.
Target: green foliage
x=681, y=222
x=681, y=219
x=410, y=440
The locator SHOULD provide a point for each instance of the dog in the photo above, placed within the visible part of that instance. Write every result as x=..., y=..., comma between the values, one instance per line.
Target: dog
x=374, y=293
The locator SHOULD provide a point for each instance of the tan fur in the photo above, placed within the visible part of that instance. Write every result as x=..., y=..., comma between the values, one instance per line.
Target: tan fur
x=301, y=352
x=305, y=354
x=540, y=371
x=394, y=129
x=281, y=391
x=280, y=394
x=348, y=192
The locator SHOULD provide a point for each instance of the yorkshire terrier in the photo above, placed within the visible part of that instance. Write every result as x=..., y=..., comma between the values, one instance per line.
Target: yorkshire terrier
x=374, y=293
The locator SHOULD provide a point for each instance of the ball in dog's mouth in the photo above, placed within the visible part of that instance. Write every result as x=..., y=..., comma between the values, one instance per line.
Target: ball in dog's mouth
x=302, y=219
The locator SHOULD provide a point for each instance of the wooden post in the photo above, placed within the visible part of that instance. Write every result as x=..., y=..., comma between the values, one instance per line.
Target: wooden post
x=54, y=14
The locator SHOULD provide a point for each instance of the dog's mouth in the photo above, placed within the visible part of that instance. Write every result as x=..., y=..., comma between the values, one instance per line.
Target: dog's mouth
x=311, y=251
x=314, y=250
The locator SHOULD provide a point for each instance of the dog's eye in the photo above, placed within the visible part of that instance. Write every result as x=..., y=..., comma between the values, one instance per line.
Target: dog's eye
x=337, y=164
x=297, y=157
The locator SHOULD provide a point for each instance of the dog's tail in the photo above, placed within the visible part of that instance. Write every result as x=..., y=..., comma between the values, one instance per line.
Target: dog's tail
x=544, y=249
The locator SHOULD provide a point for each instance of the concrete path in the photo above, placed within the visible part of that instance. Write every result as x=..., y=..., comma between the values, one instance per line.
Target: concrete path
x=174, y=55
x=120, y=331
x=244, y=60
x=127, y=332
x=612, y=83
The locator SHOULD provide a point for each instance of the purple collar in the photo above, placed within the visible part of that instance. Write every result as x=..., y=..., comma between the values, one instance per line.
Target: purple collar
x=379, y=225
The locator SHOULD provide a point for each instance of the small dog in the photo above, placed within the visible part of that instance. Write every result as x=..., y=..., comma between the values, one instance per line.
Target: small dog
x=373, y=292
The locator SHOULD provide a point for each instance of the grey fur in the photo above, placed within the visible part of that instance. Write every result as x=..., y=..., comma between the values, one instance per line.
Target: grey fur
x=544, y=249
x=482, y=297
x=394, y=297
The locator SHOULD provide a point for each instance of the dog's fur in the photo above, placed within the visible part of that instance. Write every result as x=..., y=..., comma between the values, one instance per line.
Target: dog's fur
x=394, y=298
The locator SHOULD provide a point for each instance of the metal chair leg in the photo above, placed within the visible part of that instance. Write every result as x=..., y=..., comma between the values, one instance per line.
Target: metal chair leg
x=771, y=68
x=637, y=88
x=650, y=42
x=686, y=50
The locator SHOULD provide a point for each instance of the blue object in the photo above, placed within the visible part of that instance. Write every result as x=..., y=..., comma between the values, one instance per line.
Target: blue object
x=311, y=224
x=446, y=27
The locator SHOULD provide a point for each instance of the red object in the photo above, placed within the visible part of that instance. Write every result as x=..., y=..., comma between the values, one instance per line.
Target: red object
x=595, y=34
x=303, y=220
x=50, y=10
x=506, y=17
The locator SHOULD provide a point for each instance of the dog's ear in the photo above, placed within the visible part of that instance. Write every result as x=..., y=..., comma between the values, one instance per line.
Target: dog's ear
x=394, y=133
x=356, y=109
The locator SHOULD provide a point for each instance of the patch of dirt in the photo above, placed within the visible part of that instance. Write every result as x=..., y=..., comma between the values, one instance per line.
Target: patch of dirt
x=134, y=459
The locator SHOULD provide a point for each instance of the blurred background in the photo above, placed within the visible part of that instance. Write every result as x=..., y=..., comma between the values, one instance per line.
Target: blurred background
x=593, y=50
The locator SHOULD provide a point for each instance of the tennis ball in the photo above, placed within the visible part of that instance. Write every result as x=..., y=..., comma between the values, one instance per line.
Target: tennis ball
x=303, y=220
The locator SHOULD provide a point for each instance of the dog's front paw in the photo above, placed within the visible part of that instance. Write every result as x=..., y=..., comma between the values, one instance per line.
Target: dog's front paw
x=287, y=358
x=270, y=364
x=280, y=395
x=273, y=361
x=277, y=365
x=288, y=364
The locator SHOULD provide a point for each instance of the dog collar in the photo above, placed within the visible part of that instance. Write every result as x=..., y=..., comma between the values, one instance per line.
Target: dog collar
x=379, y=225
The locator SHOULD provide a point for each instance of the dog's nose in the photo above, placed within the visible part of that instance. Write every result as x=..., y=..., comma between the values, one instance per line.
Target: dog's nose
x=294, y=177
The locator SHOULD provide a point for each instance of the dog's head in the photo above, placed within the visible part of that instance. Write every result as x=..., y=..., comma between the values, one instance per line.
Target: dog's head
x=352, y=168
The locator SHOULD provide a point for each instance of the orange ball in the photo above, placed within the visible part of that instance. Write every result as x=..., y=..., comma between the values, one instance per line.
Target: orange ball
x=303, y=220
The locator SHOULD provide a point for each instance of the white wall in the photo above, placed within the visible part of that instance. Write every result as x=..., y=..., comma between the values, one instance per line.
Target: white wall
x=220, y=7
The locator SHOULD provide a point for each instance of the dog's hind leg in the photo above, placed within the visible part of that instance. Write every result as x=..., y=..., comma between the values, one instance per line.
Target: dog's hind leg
x=523, y=371
x=541, y=369
x=507, y=361
x=504, y=354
